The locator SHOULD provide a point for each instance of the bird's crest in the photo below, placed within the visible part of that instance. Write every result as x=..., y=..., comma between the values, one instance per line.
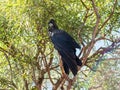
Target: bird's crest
x=52, y=24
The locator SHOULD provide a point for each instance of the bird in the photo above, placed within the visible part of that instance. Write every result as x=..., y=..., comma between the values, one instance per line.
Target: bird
x=66, y=46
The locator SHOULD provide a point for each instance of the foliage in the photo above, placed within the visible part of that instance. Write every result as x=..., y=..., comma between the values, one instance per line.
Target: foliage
x=28, y=60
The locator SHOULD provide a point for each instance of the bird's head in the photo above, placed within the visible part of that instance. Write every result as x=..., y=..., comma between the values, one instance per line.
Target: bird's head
x=52, y=24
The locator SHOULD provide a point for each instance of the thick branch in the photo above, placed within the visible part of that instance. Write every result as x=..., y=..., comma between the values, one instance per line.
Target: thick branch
x=98, y=20
x=94, y=32
x=55, y=87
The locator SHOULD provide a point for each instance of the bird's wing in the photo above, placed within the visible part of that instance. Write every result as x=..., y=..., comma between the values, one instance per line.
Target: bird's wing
x=69, y=62
x=64, y=43
x=68, y=38
x=65, y=40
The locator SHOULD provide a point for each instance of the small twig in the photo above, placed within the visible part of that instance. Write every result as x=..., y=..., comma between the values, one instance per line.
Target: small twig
x=51, y=68
x=50, y=76
x=84, y=74
x=11, y=71
x=5, y=51
x=111, y=14
x=84, y=4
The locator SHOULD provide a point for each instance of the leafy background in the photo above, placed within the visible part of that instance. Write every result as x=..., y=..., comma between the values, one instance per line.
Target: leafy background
x=28, y=60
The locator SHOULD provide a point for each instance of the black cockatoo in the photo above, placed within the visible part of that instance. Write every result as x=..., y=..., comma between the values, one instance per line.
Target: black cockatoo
x=66, y=47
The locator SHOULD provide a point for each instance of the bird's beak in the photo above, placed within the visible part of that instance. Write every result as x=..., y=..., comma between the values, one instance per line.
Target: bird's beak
x=50, y=25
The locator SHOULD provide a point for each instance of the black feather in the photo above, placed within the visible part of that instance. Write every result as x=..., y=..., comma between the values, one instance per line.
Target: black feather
x=66, y=68
x=66, y=47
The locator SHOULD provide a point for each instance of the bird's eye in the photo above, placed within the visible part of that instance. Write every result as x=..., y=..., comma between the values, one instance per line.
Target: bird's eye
x=50, y=25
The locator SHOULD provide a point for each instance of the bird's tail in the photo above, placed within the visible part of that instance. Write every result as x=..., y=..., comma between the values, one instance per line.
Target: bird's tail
x=78, y=61
x=69, y=64
x=66, y=68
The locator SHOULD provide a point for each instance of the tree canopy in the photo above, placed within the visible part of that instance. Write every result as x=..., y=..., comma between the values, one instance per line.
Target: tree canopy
x=28, y=60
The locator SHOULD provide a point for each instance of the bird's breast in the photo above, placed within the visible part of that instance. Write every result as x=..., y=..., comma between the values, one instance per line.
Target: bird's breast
x=51, y=34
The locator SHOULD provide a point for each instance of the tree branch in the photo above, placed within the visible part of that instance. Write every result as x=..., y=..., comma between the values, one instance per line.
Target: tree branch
x=58, y=83
x=97, y=21
x=4, y=51
x=110, y=16
x=94, y=32
x=84, y=5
